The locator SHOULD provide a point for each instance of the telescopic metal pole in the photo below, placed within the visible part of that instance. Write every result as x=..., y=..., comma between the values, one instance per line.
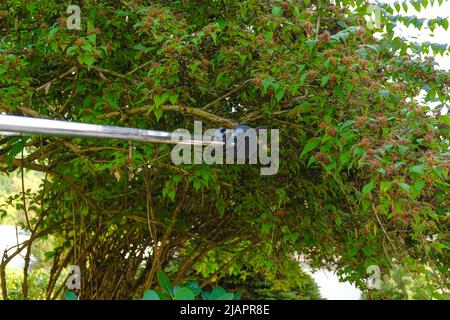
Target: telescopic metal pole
x=26, y=126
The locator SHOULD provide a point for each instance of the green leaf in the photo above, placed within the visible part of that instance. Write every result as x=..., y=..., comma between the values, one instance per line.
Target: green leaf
x=92, y=38
x=346, y=124
x=266, y=83
x=445, y=119
x=194, y=286
x=158, y=112
x=86, y=58
x=151, y=295
x=173, y=98
x=311, y=43
x=279, y=94
x=340, y=36
x=141, y=47
x=417, y=188
x=416, y=5
x=206, y=295
x=419, y=169
x=226, y=296
x=220, y=207
x=183, y=293
x=367, y=189
x=217, y=292
x=277, y=11
x=338, y=92
x=69, y=295
x=324, y=80
x=382, y=171
x=303, y=77
x=368, y=251
x=310, y=145
x=159, y=99
x=402, y=148
x=385, y=185
x=17, y=143
x=405, y=6
x=266, y=227
x=310, y=161
x=344, y=157
x=164, y=281
x=404, y=186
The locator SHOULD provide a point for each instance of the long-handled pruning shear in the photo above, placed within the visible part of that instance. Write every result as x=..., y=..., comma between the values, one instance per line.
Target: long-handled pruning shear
x=18, y=125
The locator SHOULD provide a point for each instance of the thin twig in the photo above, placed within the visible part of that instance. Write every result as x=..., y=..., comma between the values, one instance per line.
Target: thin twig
x=47, y=85
x=384, y=230
x=226, y=95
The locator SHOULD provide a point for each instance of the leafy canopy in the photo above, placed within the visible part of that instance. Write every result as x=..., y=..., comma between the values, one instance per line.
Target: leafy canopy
x=364, y=164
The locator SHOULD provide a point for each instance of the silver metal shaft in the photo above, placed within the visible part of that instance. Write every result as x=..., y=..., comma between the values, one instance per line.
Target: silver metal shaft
x=28, y=126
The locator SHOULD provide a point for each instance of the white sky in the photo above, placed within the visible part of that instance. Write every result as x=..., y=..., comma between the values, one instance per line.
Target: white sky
x=439, y=35
x=332, y=289
x=10, y=237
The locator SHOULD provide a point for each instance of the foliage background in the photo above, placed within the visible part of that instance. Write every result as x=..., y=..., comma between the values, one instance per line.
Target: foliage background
x=363, y=176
